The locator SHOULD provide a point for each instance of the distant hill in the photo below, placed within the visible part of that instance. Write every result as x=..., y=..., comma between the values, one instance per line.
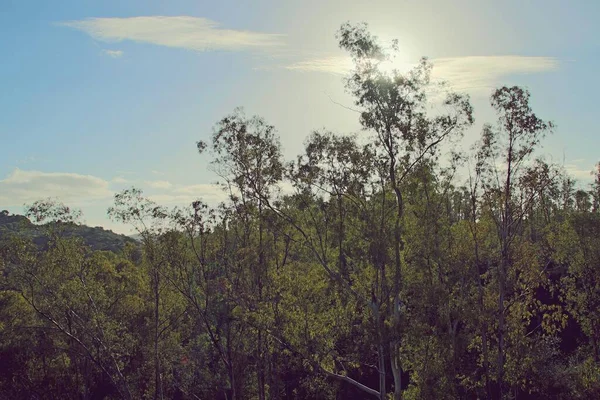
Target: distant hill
x=136, y=236
x=97, y=237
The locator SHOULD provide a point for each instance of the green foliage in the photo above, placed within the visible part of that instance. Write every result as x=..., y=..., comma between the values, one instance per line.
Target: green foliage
x=96, y=237
x=377, y=273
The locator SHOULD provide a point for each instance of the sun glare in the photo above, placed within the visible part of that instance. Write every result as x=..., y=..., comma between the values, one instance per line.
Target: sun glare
x=395, y=65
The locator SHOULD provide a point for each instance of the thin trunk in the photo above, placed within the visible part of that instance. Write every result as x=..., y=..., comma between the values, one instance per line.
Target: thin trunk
x=595, y=347
x=232, y=383
x=483, y=323
x=261, y=274
x=354, y=383
x=342, y=267
x=396, y=369
x=484, y=338
x=382, y=390
x=501, y=324
x=398, y=245
x=230, y=369
x=157, y=380
x=260, y=373
x=274, y=385
x=380, y=350
x=504, y=262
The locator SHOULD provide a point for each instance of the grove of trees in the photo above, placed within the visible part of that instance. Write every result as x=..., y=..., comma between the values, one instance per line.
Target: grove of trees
x=371, y=266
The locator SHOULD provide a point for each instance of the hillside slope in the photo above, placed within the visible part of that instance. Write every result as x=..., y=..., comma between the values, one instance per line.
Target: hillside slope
x=97, y=238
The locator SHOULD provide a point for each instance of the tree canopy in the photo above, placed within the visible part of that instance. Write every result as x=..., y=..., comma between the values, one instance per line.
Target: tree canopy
x=366, y=267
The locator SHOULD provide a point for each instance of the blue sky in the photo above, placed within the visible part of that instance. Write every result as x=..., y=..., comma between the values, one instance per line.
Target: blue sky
x=98, y=96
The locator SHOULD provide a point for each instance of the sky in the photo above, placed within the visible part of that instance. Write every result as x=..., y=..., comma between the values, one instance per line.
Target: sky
x=98, y=96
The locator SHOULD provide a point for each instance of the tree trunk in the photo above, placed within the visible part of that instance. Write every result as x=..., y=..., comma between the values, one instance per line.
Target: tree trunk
x=504, y=263
x=396, y=370
x=380, y=350
x=157, y=379
x=262, y=274
x=230, y=369
x=382, y=390
x=260, y=371
x=398, y=246
x=484, y=340
x=232, y=383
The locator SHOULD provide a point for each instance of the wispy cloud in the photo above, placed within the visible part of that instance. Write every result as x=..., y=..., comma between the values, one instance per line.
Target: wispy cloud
x=158, y=184
x=185, y=32
x=22, y=186
x=476, y=72
x=575, y=170
x=27, y=160
x=332, y=65
x=112, y=53
x=471, y=73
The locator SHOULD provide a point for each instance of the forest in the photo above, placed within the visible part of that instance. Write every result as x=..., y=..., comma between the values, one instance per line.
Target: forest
x=389, y=264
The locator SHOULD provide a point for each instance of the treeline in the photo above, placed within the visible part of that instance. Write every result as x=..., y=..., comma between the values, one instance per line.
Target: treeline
x=97, y=238
x=383, y=270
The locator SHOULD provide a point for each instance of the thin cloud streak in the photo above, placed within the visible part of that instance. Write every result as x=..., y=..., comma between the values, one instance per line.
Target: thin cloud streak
x=158, y=184
x=184, y=32
x=472, y=73
x=332, y=65
x=475, y=72
x=112, y=53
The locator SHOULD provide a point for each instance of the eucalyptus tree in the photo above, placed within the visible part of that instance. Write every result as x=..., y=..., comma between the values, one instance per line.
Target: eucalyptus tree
x=207, y=267
x=508, y=147
x=151, y=224
x=395, y=108
x=131, y=207
x=479, y=229
x=339, y=213
x=437, y=286
x=247, y=157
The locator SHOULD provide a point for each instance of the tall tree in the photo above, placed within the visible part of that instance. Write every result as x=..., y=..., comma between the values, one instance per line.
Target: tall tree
x=511, y=143
x=394, y=107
